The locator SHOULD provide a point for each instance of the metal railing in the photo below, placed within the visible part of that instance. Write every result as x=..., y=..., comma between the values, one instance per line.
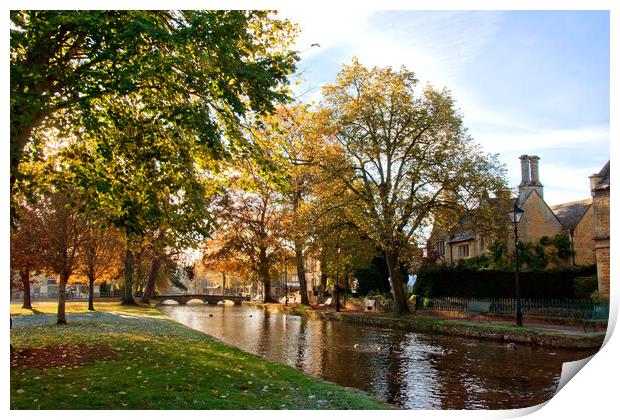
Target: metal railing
x=552, y=308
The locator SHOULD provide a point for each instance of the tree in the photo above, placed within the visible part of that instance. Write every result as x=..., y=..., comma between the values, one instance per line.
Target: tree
x=250, y=228
x=404, y=153
x=343, y=246
x=63, y=231
x=212, y=62
x=288, y=143
x=26, y=248
x=144, y=175
x=99, y=255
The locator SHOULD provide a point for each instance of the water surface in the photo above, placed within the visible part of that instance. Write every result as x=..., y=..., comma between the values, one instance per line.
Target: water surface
x=410, y=370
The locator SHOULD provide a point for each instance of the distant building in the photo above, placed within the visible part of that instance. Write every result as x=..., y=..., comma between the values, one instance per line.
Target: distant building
x=575, y=219
x=289, y=279
x=42, y=287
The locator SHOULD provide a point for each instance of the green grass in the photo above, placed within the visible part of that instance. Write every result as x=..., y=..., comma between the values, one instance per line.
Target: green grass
x=159, y=364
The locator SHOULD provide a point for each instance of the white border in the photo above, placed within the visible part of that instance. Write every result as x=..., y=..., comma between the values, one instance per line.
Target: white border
x=591, y=395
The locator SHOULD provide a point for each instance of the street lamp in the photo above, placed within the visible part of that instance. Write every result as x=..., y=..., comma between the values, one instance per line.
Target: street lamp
x=285, y=283
x=515, y=216
x=337, y=291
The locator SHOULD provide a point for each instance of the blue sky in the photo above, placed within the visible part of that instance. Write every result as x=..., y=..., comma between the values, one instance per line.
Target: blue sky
x=527, y=82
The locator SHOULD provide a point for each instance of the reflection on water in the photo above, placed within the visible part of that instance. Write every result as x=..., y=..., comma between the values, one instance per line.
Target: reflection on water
x=411, y=370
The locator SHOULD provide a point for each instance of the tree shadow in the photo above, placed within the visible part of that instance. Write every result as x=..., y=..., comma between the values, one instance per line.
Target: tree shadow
x=35, y=311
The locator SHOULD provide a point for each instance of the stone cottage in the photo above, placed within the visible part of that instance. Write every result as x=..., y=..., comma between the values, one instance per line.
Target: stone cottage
x=575, y=219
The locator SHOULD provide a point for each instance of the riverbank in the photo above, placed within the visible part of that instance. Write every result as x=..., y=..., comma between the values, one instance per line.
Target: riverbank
x=550, y=336
x=135, y=357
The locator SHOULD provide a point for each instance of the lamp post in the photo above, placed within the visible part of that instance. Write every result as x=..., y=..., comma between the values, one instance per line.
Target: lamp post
x=515, y=216
x=336, y=286
x=285, y=283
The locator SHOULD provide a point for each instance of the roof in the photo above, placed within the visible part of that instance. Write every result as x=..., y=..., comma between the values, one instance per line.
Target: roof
x=569, y=214
x=461, y=237
x=604, y=174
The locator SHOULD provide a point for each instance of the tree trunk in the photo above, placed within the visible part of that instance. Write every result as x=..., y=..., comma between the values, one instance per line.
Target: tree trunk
x=323, y=286
x=264, y=278
x=150, y=283
x=25, y=278
x=128, y=292
x=301, y=274
x=62, y=297
x=91, y=292
x=267, y=291
x=398, y=292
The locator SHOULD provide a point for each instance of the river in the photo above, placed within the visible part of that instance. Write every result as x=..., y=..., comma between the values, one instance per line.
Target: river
x=409, y=370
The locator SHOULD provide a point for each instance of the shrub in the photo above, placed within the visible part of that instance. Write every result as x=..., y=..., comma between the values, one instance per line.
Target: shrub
x=599, y=299
x=585, y=286
x=374, y=277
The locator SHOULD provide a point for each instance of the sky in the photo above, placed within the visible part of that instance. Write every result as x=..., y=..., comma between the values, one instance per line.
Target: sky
x=526, y=82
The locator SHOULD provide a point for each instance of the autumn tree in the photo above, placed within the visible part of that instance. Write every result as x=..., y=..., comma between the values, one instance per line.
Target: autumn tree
x=100, y=255
x=63, y=231
x=26, y=248
x=249, y=226
x=287, y=143
x=405, y=153
x=343, y=247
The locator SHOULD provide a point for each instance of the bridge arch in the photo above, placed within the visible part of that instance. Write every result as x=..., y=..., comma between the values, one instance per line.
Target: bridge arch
x=171, y=302
x=195, y=301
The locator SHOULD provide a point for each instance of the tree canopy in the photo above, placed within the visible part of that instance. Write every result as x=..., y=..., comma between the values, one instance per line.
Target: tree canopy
x=199, y=64
x=404, y=154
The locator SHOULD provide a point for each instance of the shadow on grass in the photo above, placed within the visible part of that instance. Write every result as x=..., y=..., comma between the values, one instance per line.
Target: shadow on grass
x=34, y=311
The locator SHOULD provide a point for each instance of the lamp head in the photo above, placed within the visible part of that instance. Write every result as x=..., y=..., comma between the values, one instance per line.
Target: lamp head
x=515, y=214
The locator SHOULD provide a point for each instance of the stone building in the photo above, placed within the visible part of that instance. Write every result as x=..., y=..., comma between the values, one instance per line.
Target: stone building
x=599, y=187
x=575, y=219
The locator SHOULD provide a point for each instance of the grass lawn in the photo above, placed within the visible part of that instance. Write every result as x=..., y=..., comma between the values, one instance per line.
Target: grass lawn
x=136, y=358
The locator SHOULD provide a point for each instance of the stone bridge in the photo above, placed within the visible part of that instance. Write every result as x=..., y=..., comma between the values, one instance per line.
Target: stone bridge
x=182, y=299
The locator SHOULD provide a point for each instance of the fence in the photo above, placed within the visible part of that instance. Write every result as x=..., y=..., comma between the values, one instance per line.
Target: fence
x=552, y=308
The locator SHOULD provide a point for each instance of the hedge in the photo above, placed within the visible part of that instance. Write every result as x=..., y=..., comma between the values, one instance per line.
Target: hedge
x=463, y=282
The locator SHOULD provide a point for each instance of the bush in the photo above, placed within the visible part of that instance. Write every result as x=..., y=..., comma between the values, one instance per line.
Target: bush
x=383, y=298
x=374, y=277
x=456, y=281
x=585, y=286
x=599, y=299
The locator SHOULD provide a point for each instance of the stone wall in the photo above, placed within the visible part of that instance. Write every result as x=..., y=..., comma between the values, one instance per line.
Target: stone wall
x=537, y=221
x=600, y=205
x=583, y=239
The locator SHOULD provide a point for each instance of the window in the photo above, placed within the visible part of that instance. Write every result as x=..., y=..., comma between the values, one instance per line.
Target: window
x=441, y=250
x=482, y=243
x=464, y=251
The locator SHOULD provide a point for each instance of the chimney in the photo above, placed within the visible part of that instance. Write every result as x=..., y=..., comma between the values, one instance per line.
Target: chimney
x=525, y=170
x=594, y=180
x=534, y=168
x=529, y=178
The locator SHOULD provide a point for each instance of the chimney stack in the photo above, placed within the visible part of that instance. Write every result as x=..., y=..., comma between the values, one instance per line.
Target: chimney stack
x=529, y=177
x=525, y=169
x=534, y=168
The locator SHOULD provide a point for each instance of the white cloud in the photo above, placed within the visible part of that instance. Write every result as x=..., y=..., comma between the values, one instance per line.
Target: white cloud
x=532, y=141
x=564, y=182
x=434, y=44
x=326, y=28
